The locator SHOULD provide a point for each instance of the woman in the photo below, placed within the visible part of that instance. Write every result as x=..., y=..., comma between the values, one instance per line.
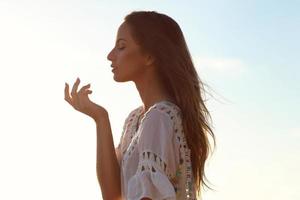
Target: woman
x=164, y=143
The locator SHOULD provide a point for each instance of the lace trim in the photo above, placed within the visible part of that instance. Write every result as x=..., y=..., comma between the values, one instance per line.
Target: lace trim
x=130, y=126
x=149, y=161
x=123, y=131
x=185, y=155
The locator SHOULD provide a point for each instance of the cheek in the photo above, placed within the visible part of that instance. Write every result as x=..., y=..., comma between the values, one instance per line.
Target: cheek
x=130, y=60
x=126, y=56
x=130, y=66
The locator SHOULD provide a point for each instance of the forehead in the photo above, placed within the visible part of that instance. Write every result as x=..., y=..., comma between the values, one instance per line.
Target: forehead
x=124, y=33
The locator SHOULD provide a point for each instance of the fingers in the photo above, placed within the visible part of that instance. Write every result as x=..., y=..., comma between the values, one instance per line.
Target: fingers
x=67, y=95
x=84, y=88
x=74, y=99
x=74, y=88
x=87, y=92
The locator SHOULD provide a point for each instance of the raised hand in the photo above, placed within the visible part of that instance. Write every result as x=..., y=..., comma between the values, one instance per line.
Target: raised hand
x=81, y=102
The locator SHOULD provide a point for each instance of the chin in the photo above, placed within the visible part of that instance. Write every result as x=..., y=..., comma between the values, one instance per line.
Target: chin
x=120, y=79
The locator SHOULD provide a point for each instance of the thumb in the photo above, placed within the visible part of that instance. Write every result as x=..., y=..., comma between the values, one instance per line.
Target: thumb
x=88, y=92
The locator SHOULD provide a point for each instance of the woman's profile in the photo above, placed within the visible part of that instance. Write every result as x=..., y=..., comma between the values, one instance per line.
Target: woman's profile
x=164, y=144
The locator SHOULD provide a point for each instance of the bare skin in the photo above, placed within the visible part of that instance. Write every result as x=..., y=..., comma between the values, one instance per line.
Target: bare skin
x=107, y=166
x=130, y=65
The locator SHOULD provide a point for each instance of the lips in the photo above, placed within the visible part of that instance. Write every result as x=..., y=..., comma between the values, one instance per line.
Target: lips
x=114, y=68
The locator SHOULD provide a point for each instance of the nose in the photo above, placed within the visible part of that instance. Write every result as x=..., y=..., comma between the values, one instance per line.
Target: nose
x=110, y=55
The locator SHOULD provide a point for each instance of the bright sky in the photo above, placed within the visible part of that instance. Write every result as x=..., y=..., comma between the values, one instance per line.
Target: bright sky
x=247, y=51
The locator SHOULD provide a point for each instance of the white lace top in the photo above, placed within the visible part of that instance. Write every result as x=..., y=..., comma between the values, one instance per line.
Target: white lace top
x=154, y=159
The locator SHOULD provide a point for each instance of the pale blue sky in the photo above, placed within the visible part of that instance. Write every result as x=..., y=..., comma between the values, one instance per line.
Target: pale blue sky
x=247, y=51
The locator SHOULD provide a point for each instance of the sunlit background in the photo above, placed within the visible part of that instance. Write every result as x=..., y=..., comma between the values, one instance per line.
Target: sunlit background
x=246, y=51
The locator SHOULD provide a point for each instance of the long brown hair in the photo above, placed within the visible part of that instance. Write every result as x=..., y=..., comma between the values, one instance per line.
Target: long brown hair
x=160, y=36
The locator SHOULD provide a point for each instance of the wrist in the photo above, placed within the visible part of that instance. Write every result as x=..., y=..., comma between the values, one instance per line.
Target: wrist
x=99, y=119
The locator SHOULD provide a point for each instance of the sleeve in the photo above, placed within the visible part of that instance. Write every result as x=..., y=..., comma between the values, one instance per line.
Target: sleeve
x=157, y=161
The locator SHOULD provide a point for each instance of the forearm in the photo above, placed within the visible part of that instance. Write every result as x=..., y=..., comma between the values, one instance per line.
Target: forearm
x=107, y=166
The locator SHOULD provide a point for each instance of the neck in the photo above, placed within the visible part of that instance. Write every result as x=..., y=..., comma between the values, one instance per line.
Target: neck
x=151, y=91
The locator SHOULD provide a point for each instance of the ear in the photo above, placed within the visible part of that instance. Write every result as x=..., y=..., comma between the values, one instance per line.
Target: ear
x=149, y=60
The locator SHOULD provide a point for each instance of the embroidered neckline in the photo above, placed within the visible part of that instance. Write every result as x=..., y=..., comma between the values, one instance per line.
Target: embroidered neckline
x=140, y=110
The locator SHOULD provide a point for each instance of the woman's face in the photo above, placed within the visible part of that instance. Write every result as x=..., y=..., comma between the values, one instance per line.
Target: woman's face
x=127, y=61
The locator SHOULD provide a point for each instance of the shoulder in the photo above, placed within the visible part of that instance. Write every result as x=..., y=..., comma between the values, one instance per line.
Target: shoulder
x=132, y=114
x=163, y=110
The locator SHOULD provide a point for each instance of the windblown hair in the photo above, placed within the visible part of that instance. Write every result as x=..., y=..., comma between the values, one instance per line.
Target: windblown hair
x=160, y=36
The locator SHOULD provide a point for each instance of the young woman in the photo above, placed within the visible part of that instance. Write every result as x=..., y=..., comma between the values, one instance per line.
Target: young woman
x=164, y=143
